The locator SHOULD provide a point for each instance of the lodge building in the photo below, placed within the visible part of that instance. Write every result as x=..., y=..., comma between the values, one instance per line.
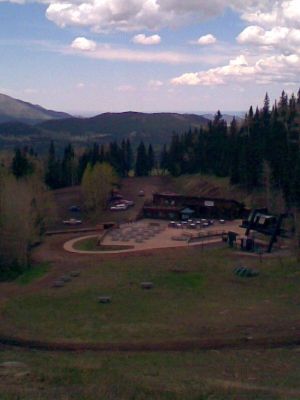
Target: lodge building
x=174, y=206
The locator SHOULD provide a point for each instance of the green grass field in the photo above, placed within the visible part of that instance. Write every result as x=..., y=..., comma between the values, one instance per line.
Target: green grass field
x=91, y=244
x=33, y=273
x=195, y=295
x=209, y=375
x=195, y=292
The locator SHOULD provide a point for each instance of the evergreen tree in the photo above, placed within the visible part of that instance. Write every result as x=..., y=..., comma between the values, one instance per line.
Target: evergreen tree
x=83, y=162
x=52, y=169
x=141, y=164
x=266, y=109
x=150, y=158
x=116, y=158
x=95, y=156
x=68, y=167
x=128, y=156
x=163, y=164
x=175, y=156
x=235, y=148
x=20, y=164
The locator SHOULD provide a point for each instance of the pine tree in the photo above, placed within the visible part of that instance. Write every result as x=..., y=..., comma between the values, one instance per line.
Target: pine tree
x=150, y=158
x=141, y=164
x=20, y=164
x=52, y=169
x=175, y=156
x=68, y=167
x=128, y=156
x=234, y=156
x=163, y=161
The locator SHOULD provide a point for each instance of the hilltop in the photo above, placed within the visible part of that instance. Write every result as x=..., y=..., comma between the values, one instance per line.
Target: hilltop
x=156, y=127
x=14, y=110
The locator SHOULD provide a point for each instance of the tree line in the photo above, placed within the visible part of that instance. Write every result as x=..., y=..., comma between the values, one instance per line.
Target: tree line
x=265, y=142
x=69, y=169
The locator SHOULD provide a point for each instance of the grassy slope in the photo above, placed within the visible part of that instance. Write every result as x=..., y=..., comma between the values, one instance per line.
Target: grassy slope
x=208, y=186
x=33, y=273
x=212, y=186
x=210, y=375
x=206, y=299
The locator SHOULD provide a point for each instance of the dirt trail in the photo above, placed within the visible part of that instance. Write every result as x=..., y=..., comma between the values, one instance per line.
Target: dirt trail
x=218, y=343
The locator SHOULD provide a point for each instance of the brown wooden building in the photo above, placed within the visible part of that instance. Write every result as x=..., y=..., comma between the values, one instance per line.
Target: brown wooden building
x=175, y=206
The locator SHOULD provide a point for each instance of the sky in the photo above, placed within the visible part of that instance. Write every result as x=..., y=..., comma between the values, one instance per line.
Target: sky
x=92, y=56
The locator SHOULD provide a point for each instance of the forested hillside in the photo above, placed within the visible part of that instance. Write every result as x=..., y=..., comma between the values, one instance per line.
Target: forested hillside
x=265, y=146
x=156, y=128
x=263, y=150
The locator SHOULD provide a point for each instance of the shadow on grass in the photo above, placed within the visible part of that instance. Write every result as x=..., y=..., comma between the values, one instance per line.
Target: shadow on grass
x=33, y=273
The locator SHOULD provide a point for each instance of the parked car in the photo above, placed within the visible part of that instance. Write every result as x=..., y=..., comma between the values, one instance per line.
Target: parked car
x=72, y=221
x=128, y=203
x=119, y=207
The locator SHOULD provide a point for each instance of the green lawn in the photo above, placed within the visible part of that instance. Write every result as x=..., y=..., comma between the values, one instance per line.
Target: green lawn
x=195, y=293
x=210, y=375
x=91, y=244
x=33, y=273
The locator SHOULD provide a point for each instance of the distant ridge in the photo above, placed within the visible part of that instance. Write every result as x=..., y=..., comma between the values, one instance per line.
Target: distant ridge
x=14, y=110
x=150, y=127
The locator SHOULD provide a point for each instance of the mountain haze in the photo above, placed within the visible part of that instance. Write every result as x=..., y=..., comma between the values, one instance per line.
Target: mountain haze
x=14, y=110
x=155, y=127
x=36, y=126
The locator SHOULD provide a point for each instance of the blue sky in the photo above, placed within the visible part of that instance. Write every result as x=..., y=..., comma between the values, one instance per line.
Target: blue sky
x=90, y=56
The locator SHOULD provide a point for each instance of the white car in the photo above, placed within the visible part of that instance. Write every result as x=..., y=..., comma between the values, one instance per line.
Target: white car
x=128, y=203
x=119, y=207
x=72, y=221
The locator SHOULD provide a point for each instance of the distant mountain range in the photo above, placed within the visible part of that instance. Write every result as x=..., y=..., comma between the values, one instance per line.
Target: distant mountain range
x=156, y=127
x=22, y=122
x=14, y=110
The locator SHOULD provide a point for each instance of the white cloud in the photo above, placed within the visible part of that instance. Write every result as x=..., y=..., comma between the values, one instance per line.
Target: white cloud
x=265, y=70
x=257, y=35
x=83, y=44
x=132, y=15
x=125, y=88
x=80, y=85
x=282, y=38
x=146, y=40
x=91, y=49
x=155, y=84
x=206, y=40
x=282, y=13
